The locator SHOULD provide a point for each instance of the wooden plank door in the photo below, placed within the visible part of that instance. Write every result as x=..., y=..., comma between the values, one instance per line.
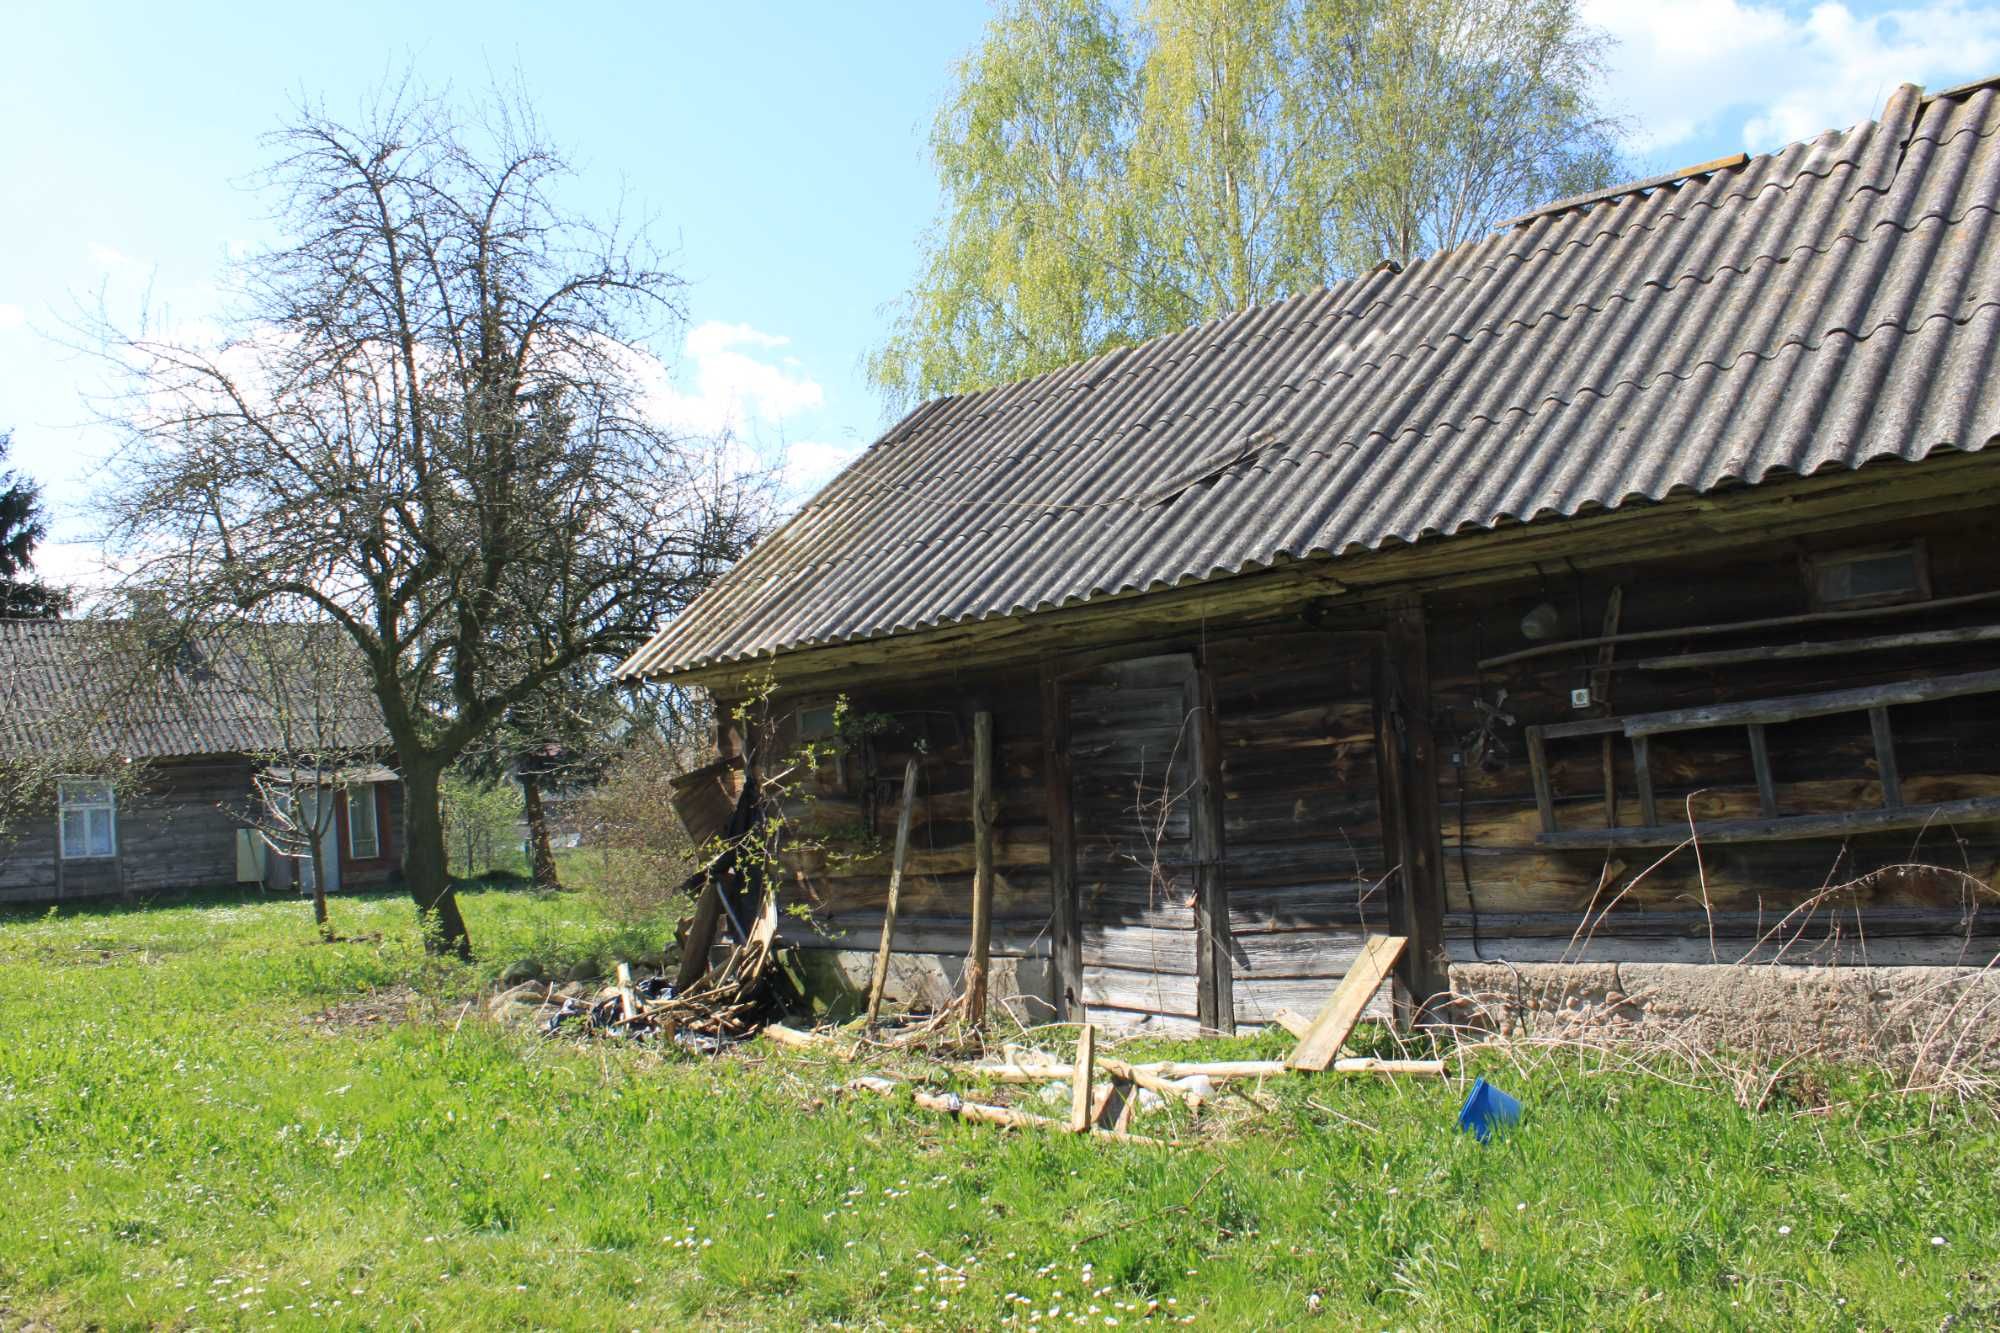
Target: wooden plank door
x=1311, y=837
x=1141, y=844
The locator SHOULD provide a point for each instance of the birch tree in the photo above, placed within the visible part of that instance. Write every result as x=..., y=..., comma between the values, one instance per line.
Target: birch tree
x=1111, y=172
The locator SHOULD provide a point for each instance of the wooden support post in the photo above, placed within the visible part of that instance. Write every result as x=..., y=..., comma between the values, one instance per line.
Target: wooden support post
x=1215, y=1001
x=881, y=977
x=980, y=959
x=1885, y=757
x=1420, y=840
x=1642, y=774
x=1067, y=944
x=1760, y=763
x=1600, y=692
x=1538, y=769
x=1080, y=1077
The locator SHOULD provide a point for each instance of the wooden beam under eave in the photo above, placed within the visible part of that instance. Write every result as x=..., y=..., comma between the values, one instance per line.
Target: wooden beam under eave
x=1682, y=526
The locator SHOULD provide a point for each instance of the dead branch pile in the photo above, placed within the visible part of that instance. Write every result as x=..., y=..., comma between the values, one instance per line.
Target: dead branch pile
x=725, y=1004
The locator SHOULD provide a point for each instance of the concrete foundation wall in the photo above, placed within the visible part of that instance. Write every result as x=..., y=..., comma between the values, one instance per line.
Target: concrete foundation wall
x=1901, y=1015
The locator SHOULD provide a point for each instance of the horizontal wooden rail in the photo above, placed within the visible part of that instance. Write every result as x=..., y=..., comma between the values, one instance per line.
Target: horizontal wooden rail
x=1782, y=828
x=1798, y=706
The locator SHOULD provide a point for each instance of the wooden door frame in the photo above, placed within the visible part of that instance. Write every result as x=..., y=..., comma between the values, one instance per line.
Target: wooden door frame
x=1213, y=969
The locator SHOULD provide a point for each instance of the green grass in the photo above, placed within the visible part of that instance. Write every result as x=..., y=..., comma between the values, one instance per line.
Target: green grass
x=186, y=1144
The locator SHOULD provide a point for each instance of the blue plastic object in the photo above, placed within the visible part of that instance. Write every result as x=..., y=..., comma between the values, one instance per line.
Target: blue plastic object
x=1487, y=1106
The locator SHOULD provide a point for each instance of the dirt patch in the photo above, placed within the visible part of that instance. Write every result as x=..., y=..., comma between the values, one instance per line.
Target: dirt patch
x=377, y=1008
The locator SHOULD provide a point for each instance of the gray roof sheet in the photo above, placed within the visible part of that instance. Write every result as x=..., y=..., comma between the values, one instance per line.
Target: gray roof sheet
x=1819, y=307
x=96, y=686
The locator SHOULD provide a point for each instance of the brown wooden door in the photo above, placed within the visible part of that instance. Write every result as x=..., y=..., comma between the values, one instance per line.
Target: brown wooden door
x=1133, y=744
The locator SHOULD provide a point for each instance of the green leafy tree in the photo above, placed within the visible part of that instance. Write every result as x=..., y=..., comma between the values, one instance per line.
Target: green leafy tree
x=1110, y=174
x=23, y=525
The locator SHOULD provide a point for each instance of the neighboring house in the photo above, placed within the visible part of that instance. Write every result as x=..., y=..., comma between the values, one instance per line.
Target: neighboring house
x=1449, y=600
x=192, y=735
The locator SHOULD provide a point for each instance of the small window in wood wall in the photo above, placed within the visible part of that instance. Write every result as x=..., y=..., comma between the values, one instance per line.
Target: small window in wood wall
x=1874, y=576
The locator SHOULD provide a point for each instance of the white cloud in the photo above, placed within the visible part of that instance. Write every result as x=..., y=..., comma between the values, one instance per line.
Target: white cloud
x=811, y=464
x=1686, y=69
x=109, y=257
x=726, y=386
x=12, y=316
x=85, y=567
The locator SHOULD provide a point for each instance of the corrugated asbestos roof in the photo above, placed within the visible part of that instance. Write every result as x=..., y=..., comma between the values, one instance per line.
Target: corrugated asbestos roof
x=70, y=685
x=1815, y=308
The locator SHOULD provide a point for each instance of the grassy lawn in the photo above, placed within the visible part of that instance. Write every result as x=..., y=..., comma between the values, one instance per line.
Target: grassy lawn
x=210, y=1120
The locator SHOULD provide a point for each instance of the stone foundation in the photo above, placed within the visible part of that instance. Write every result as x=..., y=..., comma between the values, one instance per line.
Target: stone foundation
x=1897, y=1015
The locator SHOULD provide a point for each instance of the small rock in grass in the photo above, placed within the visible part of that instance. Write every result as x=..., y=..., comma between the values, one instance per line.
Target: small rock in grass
x=526, y=969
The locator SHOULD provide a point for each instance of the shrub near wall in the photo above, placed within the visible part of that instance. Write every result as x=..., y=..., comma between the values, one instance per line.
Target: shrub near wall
x=639, y=852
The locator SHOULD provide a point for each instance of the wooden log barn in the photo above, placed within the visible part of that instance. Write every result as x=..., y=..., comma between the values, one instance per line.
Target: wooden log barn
x=1621, y=587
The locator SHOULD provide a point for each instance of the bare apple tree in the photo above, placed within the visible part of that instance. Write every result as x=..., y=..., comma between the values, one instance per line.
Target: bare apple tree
x=319, y=730
x=427, y=424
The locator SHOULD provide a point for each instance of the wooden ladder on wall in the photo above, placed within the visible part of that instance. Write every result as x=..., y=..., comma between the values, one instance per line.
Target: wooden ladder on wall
x=1755, y=715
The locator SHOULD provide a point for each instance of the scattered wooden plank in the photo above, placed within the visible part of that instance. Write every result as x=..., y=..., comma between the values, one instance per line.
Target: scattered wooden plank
x=1217, y=1069
x=1111, y=1106
x=950, y=1103
x=881, y=977
x=1342, y=1010
x=1080, y=1077
x=979, y=961
x=1293, y=1022
x=794, y=1038
x=628, y=999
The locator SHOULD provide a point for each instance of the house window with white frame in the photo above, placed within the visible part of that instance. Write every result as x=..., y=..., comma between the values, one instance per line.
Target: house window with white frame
x=364, y=834
x=89, y=819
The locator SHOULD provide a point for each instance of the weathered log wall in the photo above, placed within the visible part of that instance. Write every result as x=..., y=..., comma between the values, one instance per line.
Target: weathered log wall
x=840, y=823
x=1303, y=861
x=1908, y=896
x=177, y=832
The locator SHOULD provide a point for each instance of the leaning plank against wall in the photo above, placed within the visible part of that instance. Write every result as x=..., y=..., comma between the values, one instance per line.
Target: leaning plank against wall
x=1910, y=896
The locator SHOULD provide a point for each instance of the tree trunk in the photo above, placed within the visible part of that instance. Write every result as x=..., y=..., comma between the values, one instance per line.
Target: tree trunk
x=538, y=834
x=319, y=869
x=424, y=866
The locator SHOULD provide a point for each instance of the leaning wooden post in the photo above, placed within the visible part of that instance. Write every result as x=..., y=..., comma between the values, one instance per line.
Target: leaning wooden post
x=881, y=977
x=982, y=868
x=1080, y=1079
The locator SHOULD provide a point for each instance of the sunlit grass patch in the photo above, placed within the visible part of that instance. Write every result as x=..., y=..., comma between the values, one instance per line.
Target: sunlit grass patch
x=187, y=1146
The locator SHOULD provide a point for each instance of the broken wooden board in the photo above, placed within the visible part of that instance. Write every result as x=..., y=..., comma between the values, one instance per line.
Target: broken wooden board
x=1335, y=1022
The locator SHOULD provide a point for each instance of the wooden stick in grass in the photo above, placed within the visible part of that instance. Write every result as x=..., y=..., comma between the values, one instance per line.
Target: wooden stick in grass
x=881, y=977
x=1079, y=1081
x=1215, y=1069
x=628, y=1002
x=950, y=1103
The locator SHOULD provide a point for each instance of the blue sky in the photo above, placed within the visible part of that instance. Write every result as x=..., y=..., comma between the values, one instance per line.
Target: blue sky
x=779, y=148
